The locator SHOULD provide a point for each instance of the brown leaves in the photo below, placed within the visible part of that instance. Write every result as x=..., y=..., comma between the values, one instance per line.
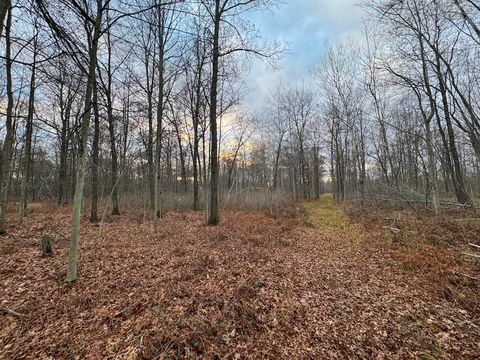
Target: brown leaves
x=253, y=287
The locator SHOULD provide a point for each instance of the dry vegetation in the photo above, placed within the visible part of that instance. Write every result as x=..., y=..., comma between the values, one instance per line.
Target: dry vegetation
x=316, y=285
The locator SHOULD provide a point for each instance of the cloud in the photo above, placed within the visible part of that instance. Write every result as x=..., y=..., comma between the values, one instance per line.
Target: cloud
x=305, y=25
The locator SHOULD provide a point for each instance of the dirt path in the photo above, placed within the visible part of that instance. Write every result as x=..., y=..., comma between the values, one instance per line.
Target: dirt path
x=255, y=287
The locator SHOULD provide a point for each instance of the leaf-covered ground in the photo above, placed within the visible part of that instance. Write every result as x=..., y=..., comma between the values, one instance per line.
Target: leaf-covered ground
x=254, y=287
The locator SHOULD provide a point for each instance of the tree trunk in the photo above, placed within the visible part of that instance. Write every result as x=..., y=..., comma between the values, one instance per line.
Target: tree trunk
x=456, y=169
x=160, y=108
x=111, y=129
x=27, y=156
x=316, y=172
x=151, y=165
x=213, y=214
x=81, y=165
x=432, y=169
x=62, y=172
x=4, y=6
x=95, y=157
x=182, y=164
x=196, y=123
x=6, y=155
x=114, y=155
x=195, y=163
x=277, y=162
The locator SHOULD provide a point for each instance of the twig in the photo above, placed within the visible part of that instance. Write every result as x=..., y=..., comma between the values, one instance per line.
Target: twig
x=470, y=277
x=392, y=229
x=5, y=311
x=472, y=255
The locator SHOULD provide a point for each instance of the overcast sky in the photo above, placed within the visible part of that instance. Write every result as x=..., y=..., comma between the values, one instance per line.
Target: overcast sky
x=305, y=25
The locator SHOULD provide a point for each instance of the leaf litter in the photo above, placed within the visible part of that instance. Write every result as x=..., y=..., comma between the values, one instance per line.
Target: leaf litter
x=255, y=287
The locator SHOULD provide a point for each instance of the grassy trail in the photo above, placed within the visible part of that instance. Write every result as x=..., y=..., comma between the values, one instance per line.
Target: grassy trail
x=329, y=217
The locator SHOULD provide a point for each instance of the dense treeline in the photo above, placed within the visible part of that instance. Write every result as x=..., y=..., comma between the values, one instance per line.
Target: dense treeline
x=149, y=115
x=139, y=104
x=125, y=100
x=394, y=113
x=402, y=110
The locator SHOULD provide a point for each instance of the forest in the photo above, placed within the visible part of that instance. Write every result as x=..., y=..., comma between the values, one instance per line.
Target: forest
x=168, y=191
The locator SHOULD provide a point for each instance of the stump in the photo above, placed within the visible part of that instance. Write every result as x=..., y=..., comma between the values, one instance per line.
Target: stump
x=47, y=249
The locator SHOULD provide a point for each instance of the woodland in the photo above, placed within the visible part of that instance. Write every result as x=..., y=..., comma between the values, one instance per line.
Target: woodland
x=149, y=211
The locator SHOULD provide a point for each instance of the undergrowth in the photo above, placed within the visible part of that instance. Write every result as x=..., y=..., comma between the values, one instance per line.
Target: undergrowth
x=430, y=249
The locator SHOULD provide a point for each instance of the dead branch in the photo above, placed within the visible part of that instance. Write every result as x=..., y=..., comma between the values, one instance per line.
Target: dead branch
x=5, y=311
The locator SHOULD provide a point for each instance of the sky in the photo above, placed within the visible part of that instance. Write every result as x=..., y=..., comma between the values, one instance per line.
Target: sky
x=305, y=26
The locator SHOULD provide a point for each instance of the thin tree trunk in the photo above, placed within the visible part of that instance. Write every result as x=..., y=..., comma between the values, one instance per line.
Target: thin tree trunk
x=65, y=111
x=195, y=164
x=151, y=165
x=4, y=6
x=277, y=162
x=27, y=156
x=113, y=151
x=213, y=215
x=432, y=169
x=111, y=129
x=81, y=166
x=95, y=157
x=6, y=155
x=160, y=108
x=456, y=170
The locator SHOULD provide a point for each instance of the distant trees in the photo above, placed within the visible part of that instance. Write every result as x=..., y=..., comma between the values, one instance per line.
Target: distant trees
x=193, y=98
x=402, y=120
x=154, y=77
x=27, y=154
x=290, y=123
x=118, y=105
x=430, y=50
x=92, y=19
x=397, y=114
x=226, y=17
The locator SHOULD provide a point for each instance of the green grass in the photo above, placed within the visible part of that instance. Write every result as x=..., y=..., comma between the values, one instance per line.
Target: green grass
x=330, y=217
x=324, y=213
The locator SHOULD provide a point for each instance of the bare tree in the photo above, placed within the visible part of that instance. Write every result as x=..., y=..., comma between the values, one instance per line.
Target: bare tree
x=6, y=154
x=224, y=13
x=4, y=6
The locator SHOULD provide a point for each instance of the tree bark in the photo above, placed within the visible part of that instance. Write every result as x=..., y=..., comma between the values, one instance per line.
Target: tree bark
x=95, y=157
x=111, y=129
x=27, y=156
x=196, y=122
x=65, y=111
x=6, y=155
x=81, y=166
x=277, y=162
x=213, y=214
x=114, y=158
x=451, y=146
x=160, y=107
x=4, y=6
